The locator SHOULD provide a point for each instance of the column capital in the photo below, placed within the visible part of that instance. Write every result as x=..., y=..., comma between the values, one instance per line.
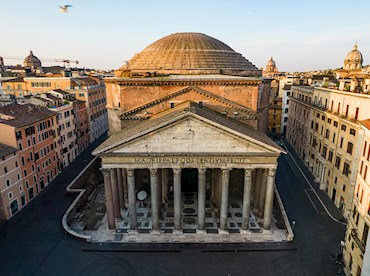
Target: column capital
x=202, y=171
x=248, y=172
x=105, y=171
x=271, y=172
x=153, y=172
x=226, y=172
x=130, y=172
x=176, y=171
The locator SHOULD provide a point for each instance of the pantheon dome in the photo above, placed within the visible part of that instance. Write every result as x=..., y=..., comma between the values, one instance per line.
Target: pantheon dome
x=353, y=59
x=32, y=61
x=189, y=53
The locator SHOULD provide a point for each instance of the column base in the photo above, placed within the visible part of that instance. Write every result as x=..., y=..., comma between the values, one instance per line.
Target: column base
x=223, y=232
x=201, y=232
x=177, y=232
x=132, y=232
x=322, y=186
x=245, y=232
x=266, y=232
x=155, y=232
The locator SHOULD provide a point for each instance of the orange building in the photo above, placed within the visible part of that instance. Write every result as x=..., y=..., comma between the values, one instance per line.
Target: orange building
x=12, y=196
x=34, y=131
x=82, y=126
x=89, y=89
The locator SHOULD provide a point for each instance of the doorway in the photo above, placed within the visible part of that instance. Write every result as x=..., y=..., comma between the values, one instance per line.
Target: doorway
x=189, y=180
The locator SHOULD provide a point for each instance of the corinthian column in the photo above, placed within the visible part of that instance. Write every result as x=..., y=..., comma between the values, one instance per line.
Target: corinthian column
x=154, y=198
x=113, y=175
x=201, y=198
x=131, y=198
x=108, y=197
x=247, y=198
x=177, y=198
x=269, y=201
x=224, y=198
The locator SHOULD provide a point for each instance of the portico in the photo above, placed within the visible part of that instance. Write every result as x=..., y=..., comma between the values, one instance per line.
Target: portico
x=189, y=150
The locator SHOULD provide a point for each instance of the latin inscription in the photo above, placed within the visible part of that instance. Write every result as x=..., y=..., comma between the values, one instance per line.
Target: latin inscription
x=192, y=160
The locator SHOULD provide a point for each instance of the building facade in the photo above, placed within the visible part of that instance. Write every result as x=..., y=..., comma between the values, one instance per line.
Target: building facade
x=12, y=191
x=359, y=219
x=333, y=142
x=33, y=131
x=183, y=124
x=82, y=126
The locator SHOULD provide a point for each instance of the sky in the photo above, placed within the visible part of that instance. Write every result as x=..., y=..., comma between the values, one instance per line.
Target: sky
x=299, y=35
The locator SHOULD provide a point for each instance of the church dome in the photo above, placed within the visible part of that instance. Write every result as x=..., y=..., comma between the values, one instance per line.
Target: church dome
x=190, y=53
x=271, y=63
x=353, y=59
x=32, y=61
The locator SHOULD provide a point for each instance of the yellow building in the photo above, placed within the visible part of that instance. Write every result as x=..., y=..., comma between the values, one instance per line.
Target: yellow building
x=334, y=142
x=359, y=219
x=275, y=112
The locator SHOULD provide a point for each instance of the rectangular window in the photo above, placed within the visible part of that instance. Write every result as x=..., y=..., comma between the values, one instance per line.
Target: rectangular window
x=343, y=127
x=347, y=108
x=337, y=162
x=365, y=172
x=349, y=147
x=352, y=132
x=341, y=142
x=364, y=152
x=330, y=156
x=357, y=111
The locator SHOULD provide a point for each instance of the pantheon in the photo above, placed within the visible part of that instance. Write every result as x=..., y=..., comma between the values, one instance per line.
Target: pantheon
x=187, y=150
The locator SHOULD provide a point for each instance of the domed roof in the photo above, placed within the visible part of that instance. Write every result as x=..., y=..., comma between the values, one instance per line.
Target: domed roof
x=353, y=59
x=354, y=54
x=271, y=62
x=189, y=53
x=31, y=61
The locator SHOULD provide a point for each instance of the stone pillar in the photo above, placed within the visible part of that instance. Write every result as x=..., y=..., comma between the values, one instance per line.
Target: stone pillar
x=114, y=183
x=154, y=198
x=164, y=185
x=159, y=193
x=247, y=198
x=108, y=197
x=269, y=201
x=201, y=198
x=177, y=198
x=131, y=198
x=257, y=184
x=125, y=189
x=213, y=185
x=224, y=198
x=120, y=189
x=261, y=203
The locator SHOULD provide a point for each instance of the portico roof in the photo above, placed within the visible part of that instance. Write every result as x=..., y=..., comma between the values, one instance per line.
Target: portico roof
x=240, y=135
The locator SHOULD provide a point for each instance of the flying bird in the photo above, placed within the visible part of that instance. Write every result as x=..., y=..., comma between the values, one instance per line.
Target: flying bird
x=64, y=8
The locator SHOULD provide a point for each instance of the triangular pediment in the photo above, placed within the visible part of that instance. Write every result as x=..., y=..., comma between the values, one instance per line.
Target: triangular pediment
x=189, y=136
x=189, y=131
x=186, y=94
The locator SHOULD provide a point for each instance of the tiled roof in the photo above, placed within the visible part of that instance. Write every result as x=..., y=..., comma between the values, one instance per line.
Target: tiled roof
x=366, y=123
x=24, y=114
x=5, y=150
